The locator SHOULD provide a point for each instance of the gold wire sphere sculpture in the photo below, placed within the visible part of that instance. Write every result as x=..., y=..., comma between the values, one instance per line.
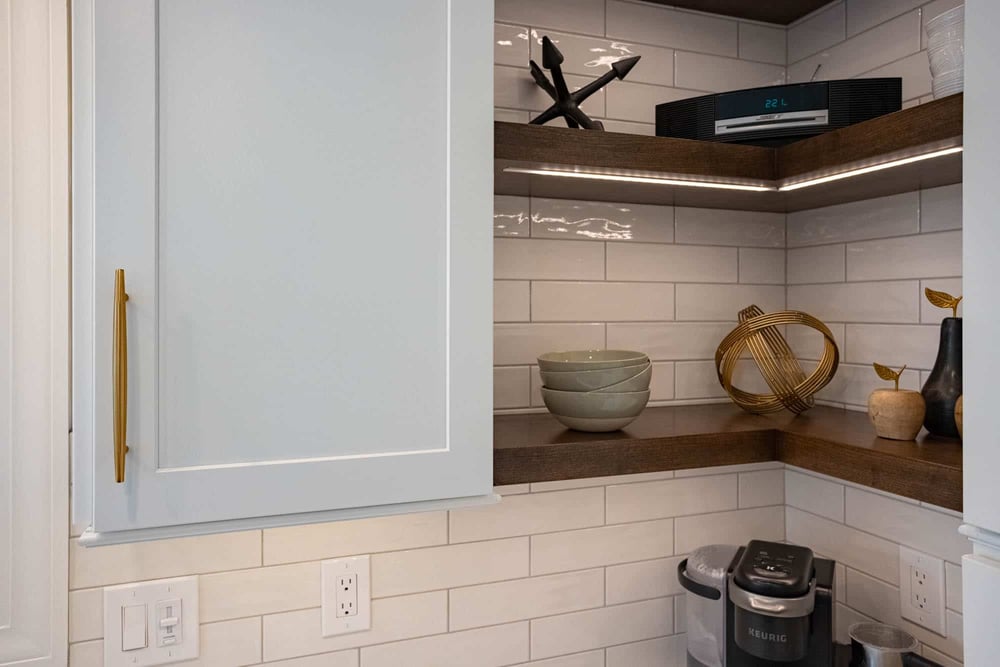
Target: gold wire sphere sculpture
x=792, y=389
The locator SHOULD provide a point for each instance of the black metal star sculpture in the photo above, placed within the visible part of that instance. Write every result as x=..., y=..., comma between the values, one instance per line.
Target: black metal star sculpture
x=567, y=104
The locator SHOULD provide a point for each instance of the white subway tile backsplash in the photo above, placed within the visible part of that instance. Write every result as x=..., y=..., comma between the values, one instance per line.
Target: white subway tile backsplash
x=596, y=628
x=510, y=45
x=604, y=301
x=166, y=558
x=588, y=659
x=814, y=495
x=492, y=604
x=348, y=658
x=762, y=266
x=931, y=314
x=865, y=14
x=511, y=215
x=911, y=345
x=403, y=572
x=890, y=302
x=699, y=71
x=938, y=657
x=86, y=614
x=914, y=526
x=485, y=647
x=817, y=264
x=659, y=652
x=346, y=538
x=628, y=127
x=668, y=27
x=539, y=259
x=637, y=101
x=258, y=591
x=513, y=88
x=941, y=208
x=511, y=301
x=528, y=514
x=561, y=485
x=511, y=387
x=669, y=498
x=707, y=226
x=761, y=488
x=680, y=617
x=601, y=221
x=763, y=43
x=926, y=255
x=671, y=263
x=736, y=527
x=510, y=116
x=807, y=343
x=853, y=384
x=669, y=341
x=661, y=386
x=861, y=53
x=895, y=215
x=520, y=344
x=706, y=303
x=642, y=581
x=594, y=547
x=854, y=548
x=821, y=30
x=913, y=70
x=586, y=16
x=699, y=379
x=592, y=56
x=298, y=633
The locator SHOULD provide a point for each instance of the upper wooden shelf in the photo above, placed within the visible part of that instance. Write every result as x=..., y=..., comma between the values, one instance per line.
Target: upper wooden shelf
x=906, y=133
x=835, y=442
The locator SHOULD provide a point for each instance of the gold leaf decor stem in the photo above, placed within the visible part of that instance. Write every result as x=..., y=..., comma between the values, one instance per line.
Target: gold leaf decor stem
x=887, y=373
x=943, y=300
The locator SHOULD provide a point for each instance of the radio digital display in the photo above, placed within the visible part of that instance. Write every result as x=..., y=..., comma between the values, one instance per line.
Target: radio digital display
x=759, y=101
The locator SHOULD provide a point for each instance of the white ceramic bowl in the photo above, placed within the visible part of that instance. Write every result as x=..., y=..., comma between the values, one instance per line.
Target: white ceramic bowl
x=589, y=360
x=592, y=380
x=638, y=382
x=594, y=405
x=595, y=425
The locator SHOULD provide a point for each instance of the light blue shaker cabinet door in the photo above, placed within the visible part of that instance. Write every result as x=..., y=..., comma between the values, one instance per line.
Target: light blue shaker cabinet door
x=299, y=194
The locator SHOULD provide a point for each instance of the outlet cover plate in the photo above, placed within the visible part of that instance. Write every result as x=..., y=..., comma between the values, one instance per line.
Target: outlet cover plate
x=150, y=594
x=921, y=589
x=332, y=570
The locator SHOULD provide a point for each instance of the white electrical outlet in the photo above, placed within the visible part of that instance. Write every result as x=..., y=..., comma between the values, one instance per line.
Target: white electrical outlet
x=921, y=589
x=347, y=598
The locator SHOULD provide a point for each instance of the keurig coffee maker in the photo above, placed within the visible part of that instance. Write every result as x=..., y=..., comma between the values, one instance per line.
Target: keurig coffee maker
x=758, y=605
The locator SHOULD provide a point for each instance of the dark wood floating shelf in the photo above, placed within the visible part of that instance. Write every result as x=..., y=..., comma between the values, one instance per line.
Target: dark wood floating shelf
x=906, y=133
x=835, y=442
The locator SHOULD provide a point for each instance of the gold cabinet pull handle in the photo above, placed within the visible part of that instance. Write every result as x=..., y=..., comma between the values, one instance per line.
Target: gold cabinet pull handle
x=120, y=375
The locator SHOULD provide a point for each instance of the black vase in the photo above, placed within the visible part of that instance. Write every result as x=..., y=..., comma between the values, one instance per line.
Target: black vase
x=944, y=386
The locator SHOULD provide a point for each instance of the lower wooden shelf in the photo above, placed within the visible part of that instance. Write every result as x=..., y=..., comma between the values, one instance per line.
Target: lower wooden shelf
x=835, y=442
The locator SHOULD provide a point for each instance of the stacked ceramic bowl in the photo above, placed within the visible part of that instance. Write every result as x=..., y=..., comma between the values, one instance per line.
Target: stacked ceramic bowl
x=595, y=390
x=946, y=51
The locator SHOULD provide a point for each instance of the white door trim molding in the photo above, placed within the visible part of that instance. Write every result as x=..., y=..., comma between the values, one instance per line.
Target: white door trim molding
x=34, y=331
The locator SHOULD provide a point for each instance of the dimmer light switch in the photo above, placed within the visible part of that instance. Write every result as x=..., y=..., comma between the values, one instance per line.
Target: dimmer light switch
x=151, y=623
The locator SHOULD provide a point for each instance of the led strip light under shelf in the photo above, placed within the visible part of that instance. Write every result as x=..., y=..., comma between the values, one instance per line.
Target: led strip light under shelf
x=760, y=186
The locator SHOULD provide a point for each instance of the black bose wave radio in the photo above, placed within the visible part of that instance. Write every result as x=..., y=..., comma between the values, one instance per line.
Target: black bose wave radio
x=778, y=115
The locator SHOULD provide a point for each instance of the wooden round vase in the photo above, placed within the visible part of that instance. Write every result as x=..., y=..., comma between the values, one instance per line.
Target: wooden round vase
x=896, y=414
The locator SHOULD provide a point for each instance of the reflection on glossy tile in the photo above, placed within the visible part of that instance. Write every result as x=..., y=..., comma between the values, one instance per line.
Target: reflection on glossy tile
x=592, y=56
x=703, y=72
x=652, y=24
x=511, y=216
x=510, y=45
x=896, y=215
x=586, y=16
x=601, y=221
x=886, y=43
x=709, y=226
x=762, y=266
x=762, y=43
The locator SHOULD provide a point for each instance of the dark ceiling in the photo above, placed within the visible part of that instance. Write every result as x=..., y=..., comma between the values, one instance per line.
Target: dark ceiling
x=771, y=11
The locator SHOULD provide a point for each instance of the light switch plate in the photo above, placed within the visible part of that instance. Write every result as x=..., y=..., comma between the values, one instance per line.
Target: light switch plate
x=346, y=580
x=125, y=626
x=921, y=589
